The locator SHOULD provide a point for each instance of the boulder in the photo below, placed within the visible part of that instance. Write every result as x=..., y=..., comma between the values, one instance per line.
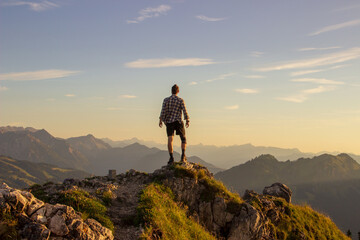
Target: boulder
x=279, y=190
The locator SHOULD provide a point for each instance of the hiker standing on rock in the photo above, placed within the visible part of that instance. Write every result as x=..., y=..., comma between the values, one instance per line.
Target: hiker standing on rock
x=170, y=114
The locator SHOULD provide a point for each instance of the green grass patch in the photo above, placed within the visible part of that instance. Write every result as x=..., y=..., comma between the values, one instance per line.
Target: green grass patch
x=88, y=206
x=300, y=221
x=8, y=224
x=165, y=219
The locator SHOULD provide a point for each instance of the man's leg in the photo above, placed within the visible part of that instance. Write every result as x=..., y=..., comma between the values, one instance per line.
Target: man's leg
x=183, y=148
x=170, y=148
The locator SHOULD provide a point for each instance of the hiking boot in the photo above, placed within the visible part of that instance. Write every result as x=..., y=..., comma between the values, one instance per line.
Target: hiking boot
x=183, y=159
x=171, y=161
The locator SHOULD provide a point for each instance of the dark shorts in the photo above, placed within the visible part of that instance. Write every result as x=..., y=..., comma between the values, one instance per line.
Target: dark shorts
x=178, y=127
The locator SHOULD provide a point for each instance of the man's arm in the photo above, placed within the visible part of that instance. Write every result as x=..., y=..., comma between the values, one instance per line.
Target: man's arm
x=186, y=115
x=163, y=113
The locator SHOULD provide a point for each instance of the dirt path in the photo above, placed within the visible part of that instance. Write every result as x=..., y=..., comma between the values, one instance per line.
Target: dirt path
x=123, y=208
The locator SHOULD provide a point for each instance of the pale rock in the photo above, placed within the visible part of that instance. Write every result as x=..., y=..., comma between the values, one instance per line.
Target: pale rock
x=279, y=190
x=57, y=224
x=34, y=205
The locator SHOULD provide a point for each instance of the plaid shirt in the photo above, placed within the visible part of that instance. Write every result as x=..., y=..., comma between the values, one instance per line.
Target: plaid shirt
x=171, y=109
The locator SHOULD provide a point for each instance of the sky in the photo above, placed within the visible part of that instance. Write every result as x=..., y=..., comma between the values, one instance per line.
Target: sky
x=267, y=72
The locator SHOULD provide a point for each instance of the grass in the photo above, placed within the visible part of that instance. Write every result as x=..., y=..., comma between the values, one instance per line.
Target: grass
x=303, y=220
x=89, y=207
x=165, y=219
x=8, y=224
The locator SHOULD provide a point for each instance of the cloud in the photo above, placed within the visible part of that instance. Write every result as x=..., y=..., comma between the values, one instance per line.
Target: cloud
x=150, y=13
x=319, y=89
x=233, y=107
x=304, y=95
x=209, y=19
x=34, y=6
x=37, y=75
x=318, y=49
x=69, y=95
x=336, y=27
x=329, y=59
x=114, y=108
x=254, y=76
x=193, y=83
x=305, y=72
x=128, y=96
x=256, y=54
x=168, y=62
x=221, y=77
x=2, y=88
x=246, y=90
x=318, y=81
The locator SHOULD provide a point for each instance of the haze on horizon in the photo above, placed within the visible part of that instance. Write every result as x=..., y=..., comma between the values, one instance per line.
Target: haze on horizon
x=270, y=73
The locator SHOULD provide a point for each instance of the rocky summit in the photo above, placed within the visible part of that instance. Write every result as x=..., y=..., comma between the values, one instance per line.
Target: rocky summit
x=181, y=201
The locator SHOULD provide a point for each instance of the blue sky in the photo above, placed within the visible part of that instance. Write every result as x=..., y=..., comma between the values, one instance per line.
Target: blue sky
x=274, y=73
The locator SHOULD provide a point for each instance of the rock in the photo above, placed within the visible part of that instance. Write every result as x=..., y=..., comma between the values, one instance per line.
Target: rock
x=279, y=190
x=57, y=224
x=36, y=220
x=248, y=225
x=219, y=211
x=35, y=231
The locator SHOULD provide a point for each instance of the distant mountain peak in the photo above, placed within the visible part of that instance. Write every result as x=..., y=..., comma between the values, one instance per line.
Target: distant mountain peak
x=265, y=158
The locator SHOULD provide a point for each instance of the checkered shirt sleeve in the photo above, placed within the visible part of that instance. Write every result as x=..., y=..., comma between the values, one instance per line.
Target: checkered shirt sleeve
x=172, y=109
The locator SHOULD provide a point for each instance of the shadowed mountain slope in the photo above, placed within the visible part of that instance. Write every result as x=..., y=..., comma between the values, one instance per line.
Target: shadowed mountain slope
x=21, y=174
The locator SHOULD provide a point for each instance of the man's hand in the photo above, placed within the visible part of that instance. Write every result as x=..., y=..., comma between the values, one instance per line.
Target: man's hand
x=187, y=123
x=160, y=123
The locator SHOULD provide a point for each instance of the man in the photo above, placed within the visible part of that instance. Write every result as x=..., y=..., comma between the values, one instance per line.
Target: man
x=171, y=112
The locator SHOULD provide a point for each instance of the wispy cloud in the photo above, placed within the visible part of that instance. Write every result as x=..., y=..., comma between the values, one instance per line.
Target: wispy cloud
x=329, y=59
x=254, y=76
x=304, y=95
x=246, y=90
x=318, y=49
x=70, y=95
x=221, y=77
x=336, y=27
x=128, y=96
x=169, y=62
x=305, y=72
x=37, y=75
x=114, y=108
x=150, y=13
x=193, y=83
x=318, y=81
x=256, y=54
x=233, y=107
x=209, y=19
x=37, y=6
x=2, y=88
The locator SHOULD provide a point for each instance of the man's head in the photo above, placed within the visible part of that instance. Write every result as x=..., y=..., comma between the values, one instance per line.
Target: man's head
x=175, y=89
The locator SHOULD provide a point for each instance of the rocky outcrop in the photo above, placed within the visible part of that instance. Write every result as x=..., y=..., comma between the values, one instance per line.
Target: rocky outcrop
x=37, y=220
x=279, y=190
x=219, y=214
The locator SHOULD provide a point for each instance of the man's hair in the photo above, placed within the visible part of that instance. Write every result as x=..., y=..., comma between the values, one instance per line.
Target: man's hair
x=175, y=89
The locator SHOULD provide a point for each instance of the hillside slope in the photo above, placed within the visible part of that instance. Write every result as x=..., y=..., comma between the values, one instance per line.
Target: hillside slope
x=184, y=201
x=21, y=174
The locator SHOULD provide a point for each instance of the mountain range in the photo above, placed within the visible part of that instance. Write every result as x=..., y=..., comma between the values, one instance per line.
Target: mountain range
x=330, y=184
x=85, y=153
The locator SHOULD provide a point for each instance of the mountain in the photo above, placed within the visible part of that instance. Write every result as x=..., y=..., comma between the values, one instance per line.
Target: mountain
x=181, y=201
x=39, y=146
x=126, y=142
x=328, y=183
x=266, y=169
x=21, y=174
x=88, y=145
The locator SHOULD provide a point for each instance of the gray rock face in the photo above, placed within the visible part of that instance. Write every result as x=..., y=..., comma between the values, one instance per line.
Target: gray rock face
x=279, y=190
x=39, y=220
